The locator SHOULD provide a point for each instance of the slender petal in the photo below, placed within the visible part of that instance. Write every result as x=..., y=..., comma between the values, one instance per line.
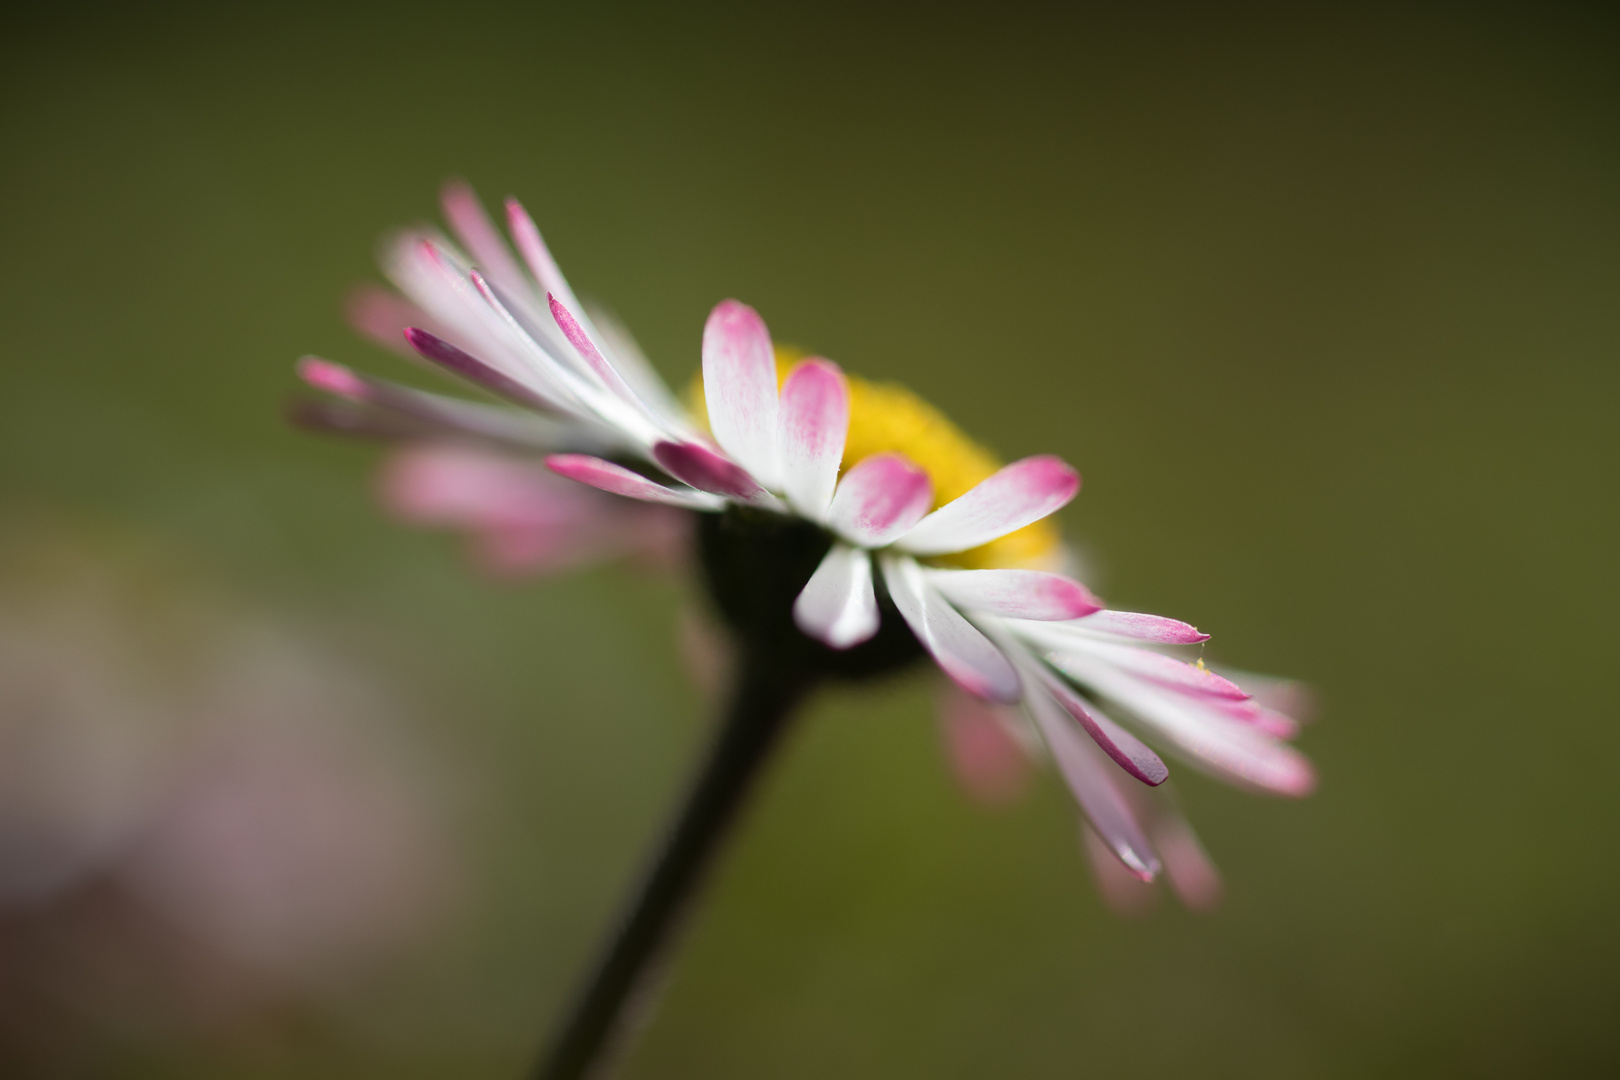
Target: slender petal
x=814, y=417
x=964, y=653
x=444, y=415
x=534, y=251
x=606, y=372
x=1197, y=727
x=1128, y=752
x=482, y=240
x=1133, y=624
x=1016, y=594
x=879, y=499
x=621, y=348
x=1165, y=670
x=621, y=481
x=601, y=399
x=739, y=384
x=1087, y=774
x=432, y=347
x=1024, y=492
x=705, y=470
x=838, y=606
x=440, y=283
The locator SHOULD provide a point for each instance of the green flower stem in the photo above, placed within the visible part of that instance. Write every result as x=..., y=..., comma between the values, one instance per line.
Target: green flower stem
x=622, y=981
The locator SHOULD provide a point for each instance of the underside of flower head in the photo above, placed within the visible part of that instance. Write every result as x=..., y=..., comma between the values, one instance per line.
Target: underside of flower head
x=843, y=525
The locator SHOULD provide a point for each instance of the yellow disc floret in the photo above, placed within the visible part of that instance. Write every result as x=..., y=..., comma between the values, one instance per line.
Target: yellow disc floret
x=888, y=418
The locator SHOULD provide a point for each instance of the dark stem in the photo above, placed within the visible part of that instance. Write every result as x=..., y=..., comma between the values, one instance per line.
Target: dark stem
x=762, y=701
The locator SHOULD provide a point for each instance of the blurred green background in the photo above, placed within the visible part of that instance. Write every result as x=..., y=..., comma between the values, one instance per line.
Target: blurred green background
x=1323, y=303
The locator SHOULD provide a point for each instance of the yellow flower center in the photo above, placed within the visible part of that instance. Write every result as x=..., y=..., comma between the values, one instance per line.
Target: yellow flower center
x=888, y=418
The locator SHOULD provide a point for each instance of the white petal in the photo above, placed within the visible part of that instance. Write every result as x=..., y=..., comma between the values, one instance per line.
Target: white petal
x=879, y=499
x=1088, y=775
x=838, y=605
x=619, y=480
x=1022, y=493
x=1205, y=736
x=814, y=418
x=964, y=653
x=1016, y=594
x=739, y=386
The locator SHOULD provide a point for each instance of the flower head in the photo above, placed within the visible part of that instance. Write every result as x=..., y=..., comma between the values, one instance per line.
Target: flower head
x=844, y=526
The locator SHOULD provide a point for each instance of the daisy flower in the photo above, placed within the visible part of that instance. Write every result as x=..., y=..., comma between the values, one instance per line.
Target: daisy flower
x=844, y=528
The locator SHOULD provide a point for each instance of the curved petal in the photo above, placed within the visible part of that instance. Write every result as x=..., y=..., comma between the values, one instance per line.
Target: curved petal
x=1197, y=727
x=482, y=240
x=440, y=414
x=879, y=499
x=962, y=652
x=1016, y=594
x=838, y=606
x=705, y=470
x=814, y=419
x=1134, y=624
x=1064, y=644
x=432, y=347
x=599, y=365
x=1128, y=752
x=621, y=481
x=1087, y=774
x=527, y=239
x=1022, y=493
x=739, y=384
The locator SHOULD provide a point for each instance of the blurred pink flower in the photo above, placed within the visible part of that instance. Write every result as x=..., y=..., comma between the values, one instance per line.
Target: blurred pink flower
x=522, y=519
x=202, y=817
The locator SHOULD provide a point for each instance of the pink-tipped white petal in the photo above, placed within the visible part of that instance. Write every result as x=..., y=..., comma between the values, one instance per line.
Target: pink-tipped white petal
x=1063, y=645
x=988, y=745
x=619, y=480
x=482, y=240
x=1022, y=493
x=1198, y=727
x=1016, y=594
x=814, y=418
x=1127, y=751
x=599, y=365
x=1133, y=624
x=432, y=347
x=879, y=499
x=438, y=414
x=705, y=470
x=534, y=251
x=962, y=652
x=838, y=606
x=1087, y=773
x=739, y=385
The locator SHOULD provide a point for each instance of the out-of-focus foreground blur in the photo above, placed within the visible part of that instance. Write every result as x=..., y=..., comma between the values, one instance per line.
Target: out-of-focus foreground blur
x=1323, y=306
